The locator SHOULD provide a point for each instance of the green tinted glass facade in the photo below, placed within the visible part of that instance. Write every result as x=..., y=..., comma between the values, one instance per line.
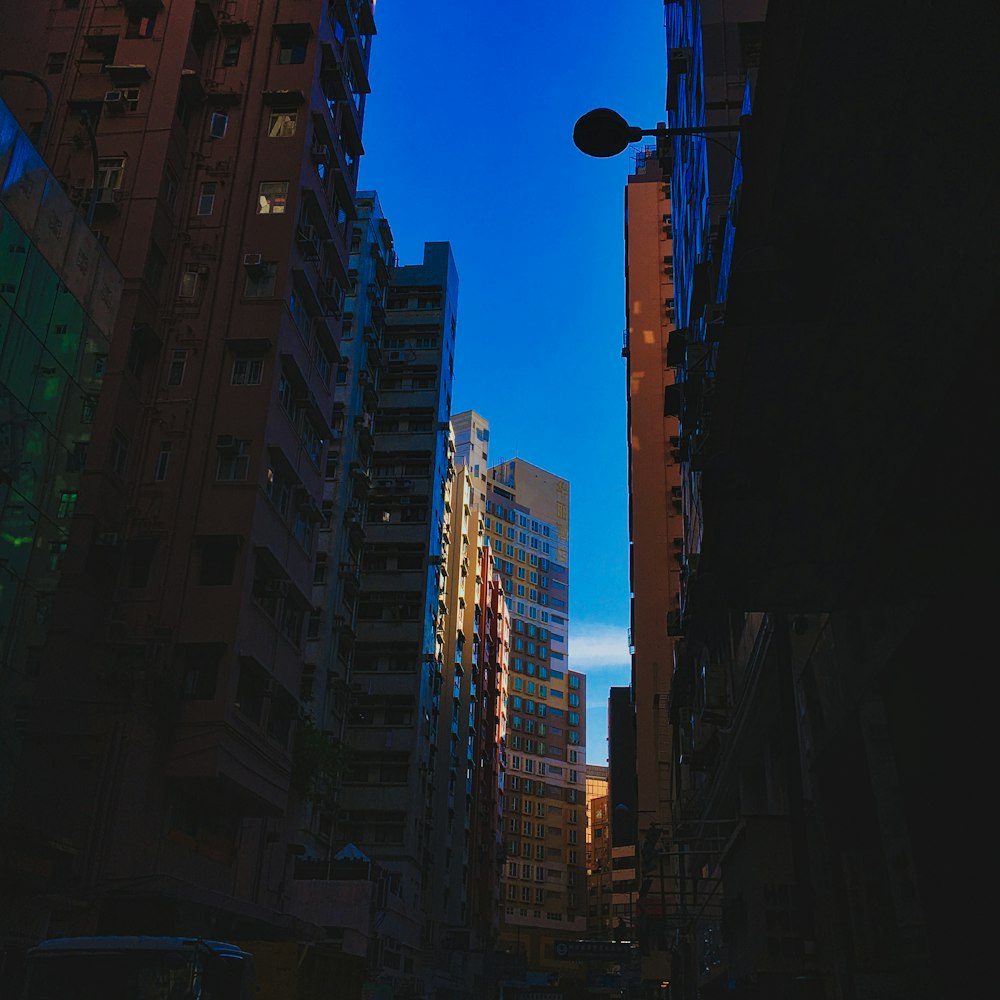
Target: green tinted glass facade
x=58, y=296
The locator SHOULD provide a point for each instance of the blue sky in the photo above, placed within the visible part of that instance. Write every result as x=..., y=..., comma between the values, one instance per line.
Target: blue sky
x=468, y=138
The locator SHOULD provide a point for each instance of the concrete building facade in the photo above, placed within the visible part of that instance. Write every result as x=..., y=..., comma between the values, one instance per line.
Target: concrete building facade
x=217, y=145
x=656, y=536
x=59, y=294
x=388, y=800
x=527, y=516
x=598, y=853
x=808, y=668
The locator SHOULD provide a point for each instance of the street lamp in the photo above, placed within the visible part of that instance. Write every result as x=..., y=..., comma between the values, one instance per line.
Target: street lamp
x=24, y=74
x=603, y=132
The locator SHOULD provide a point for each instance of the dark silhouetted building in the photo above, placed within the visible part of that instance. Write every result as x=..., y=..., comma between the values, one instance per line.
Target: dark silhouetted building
x=833, y=338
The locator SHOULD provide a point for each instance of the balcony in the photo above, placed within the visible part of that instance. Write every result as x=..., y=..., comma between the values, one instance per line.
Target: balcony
x=354, y=522
x=373, y=339
x=365, y=425
x=343, y=627
x=367, y=382
x=218, y=748
x=307, y=238
x=350, y=575
x=332, y=296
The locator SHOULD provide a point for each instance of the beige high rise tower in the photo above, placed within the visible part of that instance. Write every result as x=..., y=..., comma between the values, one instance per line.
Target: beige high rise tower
x=527, y=517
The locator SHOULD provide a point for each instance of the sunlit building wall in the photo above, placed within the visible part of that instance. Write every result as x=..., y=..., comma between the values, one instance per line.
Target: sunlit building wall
x=527, y=515
x=472, y=445
x=656, y=530
x=598, y=853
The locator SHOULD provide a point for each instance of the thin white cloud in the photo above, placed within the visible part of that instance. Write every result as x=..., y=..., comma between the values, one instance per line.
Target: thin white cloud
x=593, y=645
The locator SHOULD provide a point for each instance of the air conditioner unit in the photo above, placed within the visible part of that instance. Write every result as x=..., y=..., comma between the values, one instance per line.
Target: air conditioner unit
x=253, y=261
x=114, y=100
x=225, y=442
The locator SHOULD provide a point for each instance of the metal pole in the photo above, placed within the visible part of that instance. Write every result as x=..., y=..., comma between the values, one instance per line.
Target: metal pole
x=667, y=133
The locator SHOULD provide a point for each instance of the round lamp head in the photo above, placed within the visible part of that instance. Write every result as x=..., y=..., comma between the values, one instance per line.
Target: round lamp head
x=603, y=132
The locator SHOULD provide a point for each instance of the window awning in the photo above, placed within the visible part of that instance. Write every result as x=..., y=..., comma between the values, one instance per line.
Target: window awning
x=123, y=74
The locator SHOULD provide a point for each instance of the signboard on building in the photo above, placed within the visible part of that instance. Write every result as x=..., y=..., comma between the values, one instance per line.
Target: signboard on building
x=576, y=950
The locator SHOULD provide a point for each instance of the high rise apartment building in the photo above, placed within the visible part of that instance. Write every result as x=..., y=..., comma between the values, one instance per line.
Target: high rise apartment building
x=331, y=630
x=471, y=725
x=655, y=517
x=598, y=853
x=472, y=446
x=388, y=800
x=527, y=517
x=676, y=208
x=809, y=639
x=625, y=816
x=656, y=536
x=226, y=138
x=525, y=513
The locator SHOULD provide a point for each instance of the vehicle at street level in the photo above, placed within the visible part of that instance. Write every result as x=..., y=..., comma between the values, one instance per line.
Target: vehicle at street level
x=138, y=968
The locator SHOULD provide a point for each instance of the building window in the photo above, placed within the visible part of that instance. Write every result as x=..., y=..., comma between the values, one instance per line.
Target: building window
x=190, y=276
x=313, y=444
x=231, y=51
x=260, y=283
x=234, y=459
x=162, y=461
x=247, y=371
x=119, y=453
x=67, y=503
x=57, y=553
x=206, y=198
x=272, y=197
x=217, y=125
x=291, y=51
x=140, y=27
x=128, y=100
x=55, y=63
x=282, y=123
x=323, y=364
x=201, y=667
x=304, y=530
x=279, y=489
x=109, y=172
x=177, y=365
